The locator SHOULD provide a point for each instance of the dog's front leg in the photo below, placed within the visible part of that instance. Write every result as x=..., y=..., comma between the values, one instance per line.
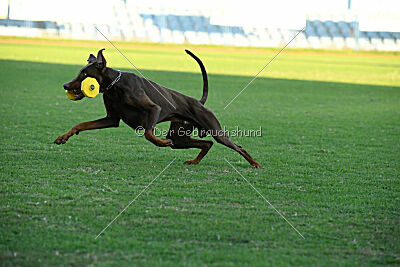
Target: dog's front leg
x=154, y=114
x=152, y=111
x=90, y=125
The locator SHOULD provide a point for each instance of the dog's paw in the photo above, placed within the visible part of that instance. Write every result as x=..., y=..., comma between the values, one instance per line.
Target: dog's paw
x=191, y=162
x=62, y=139
x=256, y=165
x=167, y=142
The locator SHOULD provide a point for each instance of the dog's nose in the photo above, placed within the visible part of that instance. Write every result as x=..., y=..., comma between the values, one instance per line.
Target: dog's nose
x=65, y=86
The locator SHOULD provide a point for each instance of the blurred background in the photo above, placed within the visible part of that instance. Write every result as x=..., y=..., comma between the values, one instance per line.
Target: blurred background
x=338, y=24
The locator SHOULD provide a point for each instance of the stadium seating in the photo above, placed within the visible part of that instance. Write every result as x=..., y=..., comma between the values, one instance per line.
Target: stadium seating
x=133, y=22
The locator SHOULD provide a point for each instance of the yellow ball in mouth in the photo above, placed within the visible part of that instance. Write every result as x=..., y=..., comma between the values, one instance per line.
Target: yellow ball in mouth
x=90, y=87
x=70, y=95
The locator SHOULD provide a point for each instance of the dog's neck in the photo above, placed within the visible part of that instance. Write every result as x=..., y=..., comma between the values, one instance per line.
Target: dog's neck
x=108, y=77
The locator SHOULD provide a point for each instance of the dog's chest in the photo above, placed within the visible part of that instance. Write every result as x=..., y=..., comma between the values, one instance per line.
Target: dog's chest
x=126, y=110
x=130, y=115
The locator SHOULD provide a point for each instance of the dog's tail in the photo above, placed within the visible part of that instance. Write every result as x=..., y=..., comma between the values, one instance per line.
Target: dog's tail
x=204, y=73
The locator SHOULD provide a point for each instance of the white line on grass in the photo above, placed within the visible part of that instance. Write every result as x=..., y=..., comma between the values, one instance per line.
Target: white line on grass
x=150, y=82
x=255, y=189
x=134, y=199
x=263, y=68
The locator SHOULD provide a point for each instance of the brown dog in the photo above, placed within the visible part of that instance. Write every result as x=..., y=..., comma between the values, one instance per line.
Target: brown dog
x=140, y=102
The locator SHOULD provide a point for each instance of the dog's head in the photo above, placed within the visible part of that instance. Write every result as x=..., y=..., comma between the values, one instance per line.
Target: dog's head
x=95, y=68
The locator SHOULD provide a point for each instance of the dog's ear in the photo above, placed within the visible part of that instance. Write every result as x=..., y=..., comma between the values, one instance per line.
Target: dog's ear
x=101, y=61
x=91, y=59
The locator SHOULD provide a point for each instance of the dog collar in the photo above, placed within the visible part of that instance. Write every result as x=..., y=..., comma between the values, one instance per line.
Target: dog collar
x=115, y=81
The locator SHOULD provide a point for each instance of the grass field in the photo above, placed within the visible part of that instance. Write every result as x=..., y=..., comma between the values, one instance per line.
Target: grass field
x=329, y=147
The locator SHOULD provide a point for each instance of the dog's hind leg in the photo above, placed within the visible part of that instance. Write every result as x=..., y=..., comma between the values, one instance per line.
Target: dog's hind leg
x=180, y=132
x=207, y=120
x=204, y=145
x=225, y=140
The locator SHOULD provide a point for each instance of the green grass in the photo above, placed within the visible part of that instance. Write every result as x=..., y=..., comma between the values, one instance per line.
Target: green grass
x=330, y=150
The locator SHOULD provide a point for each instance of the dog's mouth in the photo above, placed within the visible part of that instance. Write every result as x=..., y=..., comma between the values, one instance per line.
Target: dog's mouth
x=78, y=94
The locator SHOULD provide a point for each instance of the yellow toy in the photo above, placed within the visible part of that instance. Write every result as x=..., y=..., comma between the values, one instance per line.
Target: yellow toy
x=89, y=87
x=70, y=95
